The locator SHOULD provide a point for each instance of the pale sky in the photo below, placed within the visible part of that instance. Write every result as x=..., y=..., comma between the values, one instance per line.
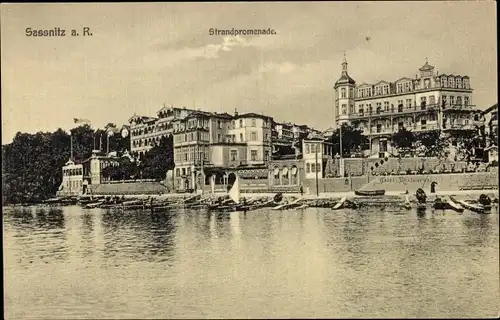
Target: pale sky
x=144, y=55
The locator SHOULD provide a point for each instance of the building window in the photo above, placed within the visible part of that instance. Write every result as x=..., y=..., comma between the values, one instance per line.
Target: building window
x=423, y=122
x=432, y=100
x=241, y=137
x=361, y=110
x=253, y=155
x=308, y=167
x=466, y=101
x=344, y=109
x=443, y=100
x=254, y=123
x=266, y=156
x=308, y=148
x=444, y=82
x=386, y=106
x=451, y=82
x=459, y=100
x=234, y=155
x=241, y=123
x=379, y=107
x=459, y=83
x=342, y=93
x=452, y=100
x=466, y=83
x=254, y=136
x=379, y=128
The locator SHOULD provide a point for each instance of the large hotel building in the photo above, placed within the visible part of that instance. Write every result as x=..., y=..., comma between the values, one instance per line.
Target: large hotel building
x=430, y=101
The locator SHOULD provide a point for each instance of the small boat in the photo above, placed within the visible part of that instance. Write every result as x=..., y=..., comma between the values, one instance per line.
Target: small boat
x=454, y=205
x=369, y=193
x=469, y=206
x=339, y=204
x=93, y=205
x=295, y=203
x=440, y=204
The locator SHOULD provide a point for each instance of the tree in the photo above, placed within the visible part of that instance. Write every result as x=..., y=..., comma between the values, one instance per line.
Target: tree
x=403, y=140
x=353, y=140
x=433, y=143
x=32, y=163
x=468, y=142
x=159, y=159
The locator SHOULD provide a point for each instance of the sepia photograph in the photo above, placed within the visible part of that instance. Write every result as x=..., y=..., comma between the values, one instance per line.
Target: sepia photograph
x=250, y=160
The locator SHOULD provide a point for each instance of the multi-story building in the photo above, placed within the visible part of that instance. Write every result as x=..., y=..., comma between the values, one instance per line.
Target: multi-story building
x=93, y=166
x=491, y=124
x=146, y=131
x=254, y=130
x=72, y=180
x=430, y=101
x=285, y=131
x=205, y=142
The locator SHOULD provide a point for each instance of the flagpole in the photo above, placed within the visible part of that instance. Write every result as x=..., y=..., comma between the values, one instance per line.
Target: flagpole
x=316, y=168
x=71, y=144
x=107, y=145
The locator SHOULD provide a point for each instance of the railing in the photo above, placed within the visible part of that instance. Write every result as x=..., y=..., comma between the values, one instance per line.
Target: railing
x=425, y=127
x=413, y=109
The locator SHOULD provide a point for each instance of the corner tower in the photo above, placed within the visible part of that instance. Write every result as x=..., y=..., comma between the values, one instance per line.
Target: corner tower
x=344, y=96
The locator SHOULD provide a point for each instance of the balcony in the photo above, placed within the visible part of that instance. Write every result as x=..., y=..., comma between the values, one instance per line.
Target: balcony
x=236, y=163
x=394, y=112
x=458, y=107
x=389, y=131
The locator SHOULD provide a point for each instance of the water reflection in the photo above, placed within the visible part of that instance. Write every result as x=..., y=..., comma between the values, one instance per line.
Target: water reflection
x=140, y=235
x=264, y=263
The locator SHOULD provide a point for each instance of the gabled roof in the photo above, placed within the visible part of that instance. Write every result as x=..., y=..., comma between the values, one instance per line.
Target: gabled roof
x=364, y=84
x=403, y=78
x=381, y=82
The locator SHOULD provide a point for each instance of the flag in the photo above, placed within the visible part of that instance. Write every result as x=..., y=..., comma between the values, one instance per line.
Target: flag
x=77, y=120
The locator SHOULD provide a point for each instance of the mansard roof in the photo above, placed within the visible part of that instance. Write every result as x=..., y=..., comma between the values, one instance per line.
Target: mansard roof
x=426, y=67
x=345, y=79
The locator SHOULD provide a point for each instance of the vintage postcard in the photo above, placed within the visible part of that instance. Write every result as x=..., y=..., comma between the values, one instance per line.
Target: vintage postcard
x=250, y=160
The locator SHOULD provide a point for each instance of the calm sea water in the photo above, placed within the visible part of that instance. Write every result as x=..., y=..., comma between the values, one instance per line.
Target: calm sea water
x=76, y=263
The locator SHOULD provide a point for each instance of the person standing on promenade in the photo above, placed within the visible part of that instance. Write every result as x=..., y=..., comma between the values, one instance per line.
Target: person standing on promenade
x=301, y=190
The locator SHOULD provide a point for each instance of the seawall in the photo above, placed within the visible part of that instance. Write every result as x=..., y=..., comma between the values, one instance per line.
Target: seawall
x=446, y=181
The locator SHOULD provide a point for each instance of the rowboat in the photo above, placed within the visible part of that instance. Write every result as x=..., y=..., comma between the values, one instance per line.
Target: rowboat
x=454, y=205
x=290, y=205
x=469, y=206
x=369, y=193
x=440, y=204
x=339, y=204
x=93, y=205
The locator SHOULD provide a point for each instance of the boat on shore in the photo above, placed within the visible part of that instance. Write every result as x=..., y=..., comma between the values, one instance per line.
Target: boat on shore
x=454, y=205
x=339, y=204
x=371, y=193
x=470, y=206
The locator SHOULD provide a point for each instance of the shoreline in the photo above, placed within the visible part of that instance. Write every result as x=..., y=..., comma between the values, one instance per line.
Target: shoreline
x=322, y=195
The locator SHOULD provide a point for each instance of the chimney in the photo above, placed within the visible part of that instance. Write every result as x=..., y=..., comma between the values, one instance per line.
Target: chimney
x=235, y=112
